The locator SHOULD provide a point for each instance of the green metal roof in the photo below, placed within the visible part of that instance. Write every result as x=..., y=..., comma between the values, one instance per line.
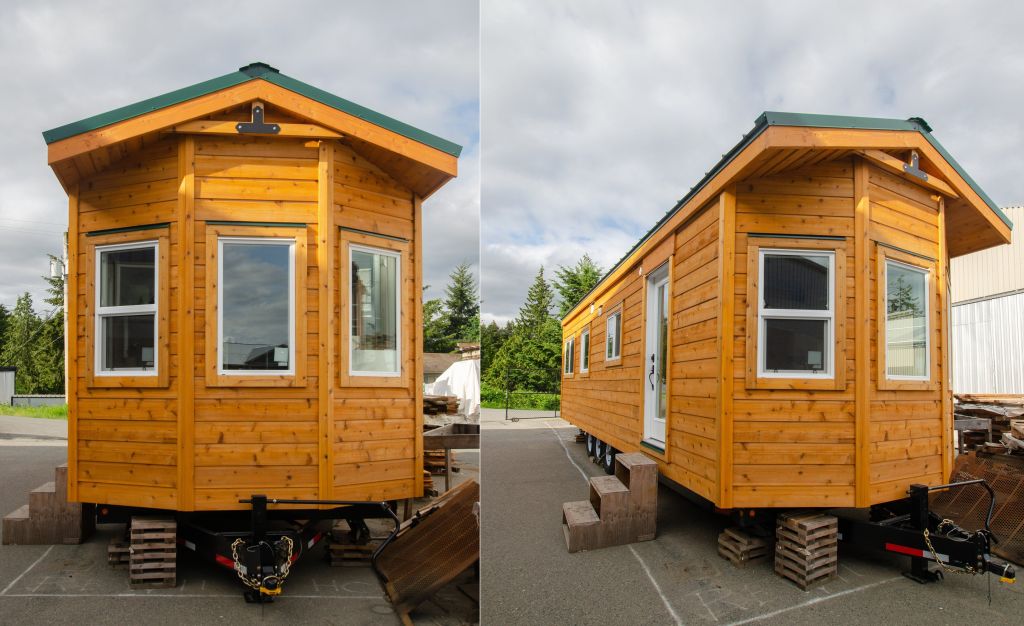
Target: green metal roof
x=245, y=74
x=811, y=120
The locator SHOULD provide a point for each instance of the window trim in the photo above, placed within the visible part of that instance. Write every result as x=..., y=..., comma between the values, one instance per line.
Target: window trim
x=398, y=313
x=756, y=377
x=94, y=245
x=342, y=296
x=215, y=375
x=569, y=357
x=585, y=351
x=293, y=339
x=612, y=313
x=103, y=312
x=886, y=382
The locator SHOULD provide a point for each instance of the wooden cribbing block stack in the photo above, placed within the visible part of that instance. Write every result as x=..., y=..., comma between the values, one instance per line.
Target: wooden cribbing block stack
x=740, y=547
x=806, y=547
x=581, y=437
x=344, y=551
x=154, y=551
x=49, y=518
x=622, y=508
x=119, y=552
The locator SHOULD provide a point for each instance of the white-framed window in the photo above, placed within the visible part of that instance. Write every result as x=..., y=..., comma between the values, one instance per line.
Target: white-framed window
x=568, y=360
x=585, y=351
x=375, y=331
x=127, y=292
x=796, y=314
x=907, y=337
x=613, y=338
x=256, y=306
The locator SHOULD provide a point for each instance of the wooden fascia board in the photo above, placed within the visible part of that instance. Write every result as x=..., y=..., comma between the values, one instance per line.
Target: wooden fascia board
x=860, y=139
x=255, y=89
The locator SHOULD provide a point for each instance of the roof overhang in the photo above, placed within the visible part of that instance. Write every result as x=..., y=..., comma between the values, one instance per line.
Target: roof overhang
x=977, y=220
x=421, y=161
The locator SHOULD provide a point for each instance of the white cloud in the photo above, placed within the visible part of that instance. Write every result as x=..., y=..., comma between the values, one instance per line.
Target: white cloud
x=65, y=61
x=598, y=116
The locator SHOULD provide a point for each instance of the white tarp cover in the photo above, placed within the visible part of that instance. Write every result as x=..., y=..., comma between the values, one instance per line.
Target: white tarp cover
x=461, y=379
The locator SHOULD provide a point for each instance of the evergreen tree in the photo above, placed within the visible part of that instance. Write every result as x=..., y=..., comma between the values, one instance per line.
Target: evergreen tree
x=573, y=283
x=462, y=304
x=901, y=298
x=48, y=349
x=435, y=328
x=492, y=337
x=22, y=329
x=537, y=308
x=5, y=315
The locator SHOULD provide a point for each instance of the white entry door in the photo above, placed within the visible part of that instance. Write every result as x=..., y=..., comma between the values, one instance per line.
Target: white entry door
x=656, y=360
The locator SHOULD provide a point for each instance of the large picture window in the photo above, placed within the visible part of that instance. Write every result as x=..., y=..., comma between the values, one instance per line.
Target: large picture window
x=613, y=337
x=374, y=340
x=906, y=322
x=127, y=285
x=256, y=305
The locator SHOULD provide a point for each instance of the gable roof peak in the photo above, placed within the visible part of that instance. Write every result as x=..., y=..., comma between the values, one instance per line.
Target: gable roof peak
x=257, y=69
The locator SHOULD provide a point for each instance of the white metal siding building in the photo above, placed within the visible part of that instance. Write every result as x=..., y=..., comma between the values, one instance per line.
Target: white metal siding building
x=987, y=291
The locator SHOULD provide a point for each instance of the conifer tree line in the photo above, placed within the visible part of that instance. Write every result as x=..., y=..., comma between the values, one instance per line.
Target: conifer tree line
x=526, y=353
x=454, y=318
x=32, y=342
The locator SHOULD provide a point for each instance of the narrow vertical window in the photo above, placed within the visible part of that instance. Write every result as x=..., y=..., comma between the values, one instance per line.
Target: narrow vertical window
x=567, y=357
x=906, y=322
x=796, y=314
x=376, y=311
x=585, y=351
x=256, y=312
x=613, y=340
x=126, y=319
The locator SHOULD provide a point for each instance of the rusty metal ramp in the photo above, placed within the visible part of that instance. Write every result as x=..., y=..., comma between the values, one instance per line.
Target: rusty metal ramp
x=969, y=506
x=431, y=549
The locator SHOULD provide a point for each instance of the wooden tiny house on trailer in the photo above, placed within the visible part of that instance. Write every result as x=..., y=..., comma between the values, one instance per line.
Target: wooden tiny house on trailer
x=780, y=337
x=244, y=288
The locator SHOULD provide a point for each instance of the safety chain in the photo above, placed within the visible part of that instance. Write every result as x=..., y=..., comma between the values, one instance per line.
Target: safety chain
x=252, y=581
x=967, y=569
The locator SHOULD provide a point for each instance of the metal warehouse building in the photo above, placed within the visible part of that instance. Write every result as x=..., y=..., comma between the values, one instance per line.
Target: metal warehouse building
x=987, y=291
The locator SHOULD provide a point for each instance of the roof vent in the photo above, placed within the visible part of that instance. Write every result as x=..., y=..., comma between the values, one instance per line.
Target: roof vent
x=258, y=68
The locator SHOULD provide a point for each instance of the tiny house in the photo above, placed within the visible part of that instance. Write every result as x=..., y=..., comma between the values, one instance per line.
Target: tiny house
x=244, y=288
x=781, y=337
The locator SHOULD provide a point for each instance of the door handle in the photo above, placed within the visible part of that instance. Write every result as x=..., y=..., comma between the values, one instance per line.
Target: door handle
x=650, y=376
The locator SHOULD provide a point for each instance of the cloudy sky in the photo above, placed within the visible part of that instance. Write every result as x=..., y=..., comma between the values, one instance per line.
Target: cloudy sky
x=598, y=116
x=64, y=61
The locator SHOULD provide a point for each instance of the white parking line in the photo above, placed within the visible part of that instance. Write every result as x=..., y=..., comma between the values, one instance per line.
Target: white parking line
x=813, y=601
x=643, y=564
x=22, y=575
x=176, y=595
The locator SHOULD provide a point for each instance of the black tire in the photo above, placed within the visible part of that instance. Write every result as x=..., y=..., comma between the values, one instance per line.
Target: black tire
x=608, y=462
x=590, y=444
x=599, y=449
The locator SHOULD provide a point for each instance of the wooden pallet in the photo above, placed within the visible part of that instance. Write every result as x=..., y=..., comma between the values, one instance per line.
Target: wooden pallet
x=741, y=548
x=118, y=553
x=153, y=553
x=806, y=548
x=340, y=554
x=581, y=437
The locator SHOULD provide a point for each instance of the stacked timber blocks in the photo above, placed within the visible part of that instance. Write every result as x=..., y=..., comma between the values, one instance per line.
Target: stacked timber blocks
x=806, y=547
x=346, y=549
x=49, y=518
x=622, y=508
x=740, y=547
x=154, y=552
x=119, y=552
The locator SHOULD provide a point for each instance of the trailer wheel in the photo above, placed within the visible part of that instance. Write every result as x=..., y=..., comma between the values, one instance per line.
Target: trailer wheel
x=599, y=448
x=591, y=440
x=608, y=462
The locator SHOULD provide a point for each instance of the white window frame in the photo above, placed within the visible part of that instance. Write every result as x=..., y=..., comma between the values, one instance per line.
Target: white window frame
x=614, y=322
x=569, y=357
x=828, y=356
x=398, y=312
x=103, y=312
x=267, y=241
x=927, y=320
x=585, y=351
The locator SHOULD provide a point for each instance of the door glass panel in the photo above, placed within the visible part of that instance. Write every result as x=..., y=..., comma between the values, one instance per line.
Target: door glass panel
x=662, y=349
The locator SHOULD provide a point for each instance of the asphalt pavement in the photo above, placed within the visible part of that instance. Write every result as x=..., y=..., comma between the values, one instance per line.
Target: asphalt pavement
x=527, y=576
x=72, y=584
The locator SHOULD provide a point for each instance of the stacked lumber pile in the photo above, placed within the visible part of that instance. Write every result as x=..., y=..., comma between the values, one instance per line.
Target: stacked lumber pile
x=440, y=405
x=1001, y=410
x=429, y=491
x=740, y=547
x=433, y=461
x=807, y=547
x=152, y=563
